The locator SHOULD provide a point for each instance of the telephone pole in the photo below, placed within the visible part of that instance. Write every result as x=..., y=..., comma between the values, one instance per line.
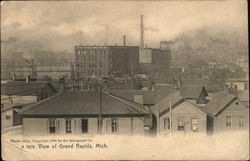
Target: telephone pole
x=100, y=110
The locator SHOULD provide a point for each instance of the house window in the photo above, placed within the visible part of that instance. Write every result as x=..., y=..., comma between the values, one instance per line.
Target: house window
x=114, y=127
x=241, y=121
x=68, y=126
x=180, y=124
x=194, y=124
x=52, y=126
x=84, y=125
x=228, y=121
x=166, y=123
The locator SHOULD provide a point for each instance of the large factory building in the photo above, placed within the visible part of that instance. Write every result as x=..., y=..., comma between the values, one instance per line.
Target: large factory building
x=102, y=61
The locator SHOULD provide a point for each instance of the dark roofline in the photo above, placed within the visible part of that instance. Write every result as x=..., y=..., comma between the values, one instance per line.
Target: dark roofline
x=173, y=106
x=80, y=115
x=40, y=102
x=132, y=104
x=100, y=46
x=219, y=112
x=127, y=102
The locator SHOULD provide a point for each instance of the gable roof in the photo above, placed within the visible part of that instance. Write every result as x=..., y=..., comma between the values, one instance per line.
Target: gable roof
x=85, y=103
x=218, y=102
x=149, y=97
x=192, y=91
x=24, y=89
x=164, y=105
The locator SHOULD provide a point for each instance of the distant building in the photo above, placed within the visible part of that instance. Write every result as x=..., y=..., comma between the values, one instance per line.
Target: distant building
x=154, y=61
x=102, y=61
x=77, y=112
x=41, y=90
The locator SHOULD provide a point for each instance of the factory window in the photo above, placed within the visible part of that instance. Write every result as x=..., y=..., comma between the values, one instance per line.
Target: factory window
x=81, y=66
x=79, y=51
x=68, y=126
x=84, y=58
x=228, y=121
x=85, y=52
x=95, y=58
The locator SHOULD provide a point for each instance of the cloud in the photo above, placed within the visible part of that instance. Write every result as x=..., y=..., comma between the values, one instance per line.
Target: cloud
x=64, y=24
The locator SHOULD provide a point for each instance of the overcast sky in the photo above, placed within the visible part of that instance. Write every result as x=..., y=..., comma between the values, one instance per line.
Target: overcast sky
x=62, y=25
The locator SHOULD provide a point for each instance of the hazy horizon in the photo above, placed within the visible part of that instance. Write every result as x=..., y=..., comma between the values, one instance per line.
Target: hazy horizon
x=59, y=26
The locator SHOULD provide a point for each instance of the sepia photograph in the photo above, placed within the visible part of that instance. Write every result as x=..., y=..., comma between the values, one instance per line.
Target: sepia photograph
x=124, y=80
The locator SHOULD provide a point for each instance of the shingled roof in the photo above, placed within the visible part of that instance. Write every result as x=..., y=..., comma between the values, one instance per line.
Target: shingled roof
x=192, y=91
x=80, y=103
x=24, y=89
x=164, y=105
x=218, y=102
x=149, y=97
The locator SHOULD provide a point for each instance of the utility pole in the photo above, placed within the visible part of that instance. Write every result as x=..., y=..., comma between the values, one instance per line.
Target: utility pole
x=100, y=110
x=170, y=109
x=106, y=35
x=158, y=120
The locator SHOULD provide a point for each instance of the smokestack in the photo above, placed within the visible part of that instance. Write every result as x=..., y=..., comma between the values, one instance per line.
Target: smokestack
x=124, y=40
x=141, y=34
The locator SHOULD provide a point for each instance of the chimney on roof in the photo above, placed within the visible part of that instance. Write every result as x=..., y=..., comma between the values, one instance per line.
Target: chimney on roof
x=141, y=32
x=124, y=40
x=138, y=99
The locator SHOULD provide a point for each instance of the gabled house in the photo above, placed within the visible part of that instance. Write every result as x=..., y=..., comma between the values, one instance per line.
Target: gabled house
x=224, y=112
x=228, y=113
x=186, y=117
x=78, y=113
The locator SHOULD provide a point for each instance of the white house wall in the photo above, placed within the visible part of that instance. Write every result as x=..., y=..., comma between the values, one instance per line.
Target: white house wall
x=187, y=111
x=126, y=126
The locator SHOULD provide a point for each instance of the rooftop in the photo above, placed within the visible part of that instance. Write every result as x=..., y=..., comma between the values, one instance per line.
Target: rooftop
x=23, y=88
x=192, y=91
x=218, y=102
x=85, y=103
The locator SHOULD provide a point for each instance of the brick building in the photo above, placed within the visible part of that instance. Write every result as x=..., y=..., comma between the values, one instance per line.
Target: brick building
x=92, y=61
x=102, y=61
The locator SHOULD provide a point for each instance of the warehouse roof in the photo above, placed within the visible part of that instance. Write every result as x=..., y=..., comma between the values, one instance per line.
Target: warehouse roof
x=85, y=103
